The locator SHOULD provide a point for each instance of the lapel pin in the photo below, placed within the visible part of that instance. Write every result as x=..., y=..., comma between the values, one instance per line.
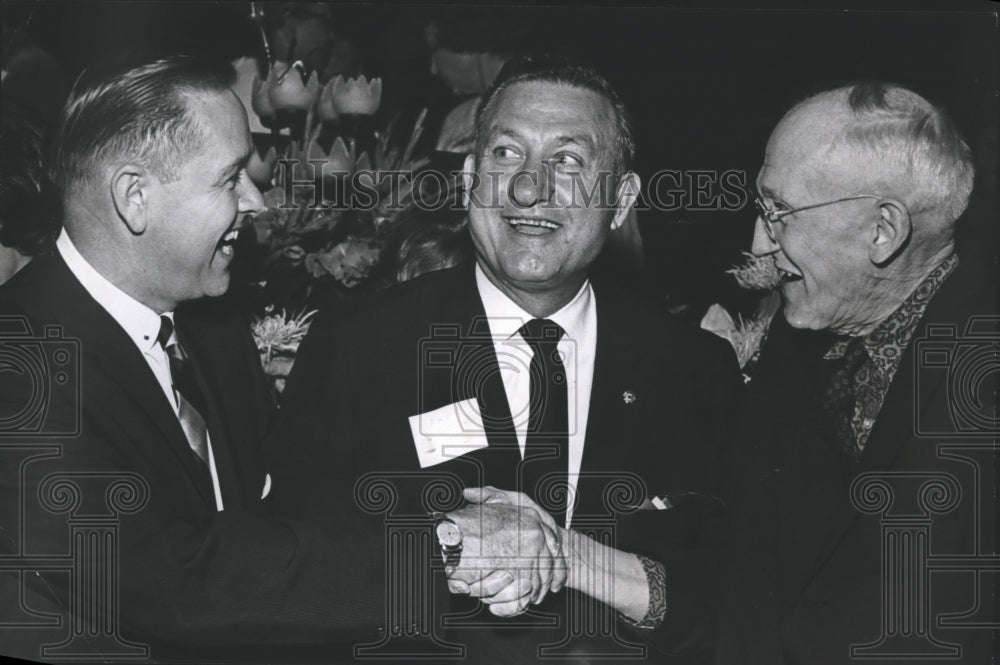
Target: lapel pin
x=628, y=397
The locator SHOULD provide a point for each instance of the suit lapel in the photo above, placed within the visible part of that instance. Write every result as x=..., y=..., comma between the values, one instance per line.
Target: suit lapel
x=892, y=431
x=477, y=375
x=104, y=341
x=226, y=465
x=607, y=426
x=896, y=427
x=897, y=421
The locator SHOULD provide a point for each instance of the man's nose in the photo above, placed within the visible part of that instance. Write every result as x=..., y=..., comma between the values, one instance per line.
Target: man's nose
x=762, y=243
x=250, y=197
x=534, y=184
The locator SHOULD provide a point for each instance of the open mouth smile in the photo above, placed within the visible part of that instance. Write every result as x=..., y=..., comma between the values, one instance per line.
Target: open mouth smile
x=228, y=242
x=532, y=225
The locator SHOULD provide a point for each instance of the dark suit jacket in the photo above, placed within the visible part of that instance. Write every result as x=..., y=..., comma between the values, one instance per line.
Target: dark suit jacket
x=426, y=344
x=806, y=580
x=190, y=579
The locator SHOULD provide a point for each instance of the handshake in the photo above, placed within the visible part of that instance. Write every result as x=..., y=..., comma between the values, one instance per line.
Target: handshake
x=512, y=552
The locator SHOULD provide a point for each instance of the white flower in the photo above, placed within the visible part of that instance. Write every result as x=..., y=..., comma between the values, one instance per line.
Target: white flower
x=757, y=273
x=281, y=332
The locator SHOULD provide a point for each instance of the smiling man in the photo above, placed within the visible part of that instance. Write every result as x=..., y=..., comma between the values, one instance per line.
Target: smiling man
x=550, y=153
x=859, y=195
x=154, y=403
x=170, y=205
x=519, y=371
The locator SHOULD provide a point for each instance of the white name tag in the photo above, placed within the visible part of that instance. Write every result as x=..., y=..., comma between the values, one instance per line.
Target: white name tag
x=448, y=432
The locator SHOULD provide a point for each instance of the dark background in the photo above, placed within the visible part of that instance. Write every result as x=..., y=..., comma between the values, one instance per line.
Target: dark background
x=705, y=86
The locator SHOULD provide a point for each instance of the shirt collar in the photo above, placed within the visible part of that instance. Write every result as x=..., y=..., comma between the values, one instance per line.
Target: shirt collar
x=140, y=322
x=505, y=317
x=885, y=344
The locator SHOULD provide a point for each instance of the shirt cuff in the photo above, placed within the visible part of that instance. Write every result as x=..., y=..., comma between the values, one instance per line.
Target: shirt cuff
x=656, y=579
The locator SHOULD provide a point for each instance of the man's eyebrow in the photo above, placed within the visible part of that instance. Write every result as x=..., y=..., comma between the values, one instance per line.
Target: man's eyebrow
x=237, y=163
x=769, y=193
x=566, y=139
x=576, y=139
x=504, y=133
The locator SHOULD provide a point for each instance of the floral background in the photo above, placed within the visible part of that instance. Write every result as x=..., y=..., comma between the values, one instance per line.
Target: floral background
x=317, y=243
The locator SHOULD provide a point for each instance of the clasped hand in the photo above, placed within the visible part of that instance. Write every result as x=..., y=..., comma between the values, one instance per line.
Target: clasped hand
x=512, y=551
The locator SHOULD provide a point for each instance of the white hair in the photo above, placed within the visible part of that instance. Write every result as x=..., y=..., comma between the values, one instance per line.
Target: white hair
x=911, y=143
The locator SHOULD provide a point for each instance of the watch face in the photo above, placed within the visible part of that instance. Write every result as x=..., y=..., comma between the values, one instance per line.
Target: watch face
x=448, y=534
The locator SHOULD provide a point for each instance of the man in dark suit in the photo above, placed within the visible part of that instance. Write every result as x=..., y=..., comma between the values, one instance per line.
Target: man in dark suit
x=519, y=372
x=867, y=452
x=135, y=486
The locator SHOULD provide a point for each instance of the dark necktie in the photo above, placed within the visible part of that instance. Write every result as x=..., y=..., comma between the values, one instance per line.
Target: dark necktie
x=188, y=394
x=839, y=398
x=547, y=440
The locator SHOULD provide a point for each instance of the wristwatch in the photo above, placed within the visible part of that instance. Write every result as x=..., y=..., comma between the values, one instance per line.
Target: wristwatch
x=450, y=539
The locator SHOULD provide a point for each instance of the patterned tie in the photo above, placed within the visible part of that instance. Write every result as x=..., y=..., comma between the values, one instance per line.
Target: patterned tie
x=187, y=391
x=548, y=419
x=840, y=398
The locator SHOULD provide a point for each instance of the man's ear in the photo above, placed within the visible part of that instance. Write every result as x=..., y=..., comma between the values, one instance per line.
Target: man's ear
x=130, y=194
x=892, y=231
x=468, y=173
x=625, y=197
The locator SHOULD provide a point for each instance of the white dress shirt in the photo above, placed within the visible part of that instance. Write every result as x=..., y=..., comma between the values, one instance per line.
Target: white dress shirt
x=139, y=322
x=578, y=347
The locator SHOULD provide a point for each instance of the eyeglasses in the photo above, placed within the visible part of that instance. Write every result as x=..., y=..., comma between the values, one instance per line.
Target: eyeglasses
x=770, y=216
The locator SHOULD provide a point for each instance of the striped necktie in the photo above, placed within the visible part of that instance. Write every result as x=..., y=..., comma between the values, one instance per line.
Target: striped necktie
x=186, y=389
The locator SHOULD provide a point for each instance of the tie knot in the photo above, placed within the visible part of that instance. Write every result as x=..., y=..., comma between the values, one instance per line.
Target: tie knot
x=166, y=330
x=855, y=353
x=541, y=332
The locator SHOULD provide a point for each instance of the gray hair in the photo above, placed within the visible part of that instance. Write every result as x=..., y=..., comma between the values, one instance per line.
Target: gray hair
x=913, y=143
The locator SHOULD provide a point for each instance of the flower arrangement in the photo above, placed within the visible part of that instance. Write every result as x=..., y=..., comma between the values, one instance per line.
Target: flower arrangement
x=318, y=232
x=317, y=240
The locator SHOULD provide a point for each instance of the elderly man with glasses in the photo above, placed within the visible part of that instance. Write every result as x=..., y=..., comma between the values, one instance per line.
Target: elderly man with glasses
x=866, y=525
